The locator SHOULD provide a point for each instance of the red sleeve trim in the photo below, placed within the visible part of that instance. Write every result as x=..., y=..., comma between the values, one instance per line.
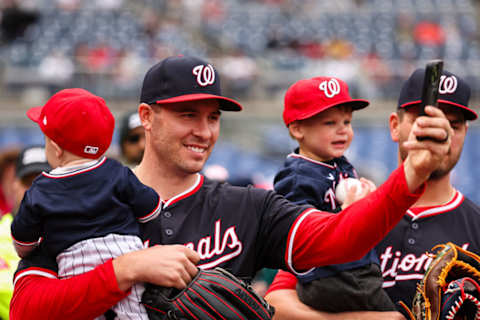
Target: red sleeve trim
x=152, y=215
x=320, y=238
x=283, y=280
x=34, y=272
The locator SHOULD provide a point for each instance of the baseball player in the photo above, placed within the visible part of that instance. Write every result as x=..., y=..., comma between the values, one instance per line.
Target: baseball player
x=318, y=114
x=207, y=223
x=440, y=215
x=85, y=210
x=443, y=213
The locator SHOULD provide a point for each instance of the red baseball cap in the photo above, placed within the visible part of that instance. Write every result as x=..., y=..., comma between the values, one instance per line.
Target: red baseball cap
x=306, y=98
x=77, y=120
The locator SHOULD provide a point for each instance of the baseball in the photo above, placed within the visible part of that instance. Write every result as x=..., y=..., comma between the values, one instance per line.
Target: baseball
x=341, y=189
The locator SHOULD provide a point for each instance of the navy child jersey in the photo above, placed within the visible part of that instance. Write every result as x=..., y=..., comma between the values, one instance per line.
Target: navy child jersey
x=239, y=229
x=402, y=252
x=98, y=198
x=306, y=181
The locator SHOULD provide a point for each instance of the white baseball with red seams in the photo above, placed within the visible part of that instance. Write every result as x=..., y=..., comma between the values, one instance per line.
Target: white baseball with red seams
x=341, y=189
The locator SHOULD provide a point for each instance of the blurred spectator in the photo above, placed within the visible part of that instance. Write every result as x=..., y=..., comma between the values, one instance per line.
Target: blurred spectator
x=126, y=71
x=238, y=73
x=15, y=20
x=216, y=172
x=132, y=139
x=101, y=58
x=56, y=71
x=429, y=33
x=68, y=5
x=29, y=164
x=108, y=4
x=8, y=158
x=214, y=11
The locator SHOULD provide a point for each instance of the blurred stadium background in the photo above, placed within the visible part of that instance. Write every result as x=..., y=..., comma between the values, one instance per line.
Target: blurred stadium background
x=259, y=46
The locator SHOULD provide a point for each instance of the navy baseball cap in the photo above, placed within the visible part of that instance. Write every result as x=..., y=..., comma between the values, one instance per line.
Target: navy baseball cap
x=453, y=91
x=183, y=78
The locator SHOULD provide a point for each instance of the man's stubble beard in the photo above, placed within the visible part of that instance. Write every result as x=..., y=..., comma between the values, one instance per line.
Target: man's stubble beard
x=444, y=169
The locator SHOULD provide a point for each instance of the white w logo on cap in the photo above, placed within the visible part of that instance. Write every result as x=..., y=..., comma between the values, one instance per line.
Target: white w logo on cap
x=331, y=87
x=205, y=75
x=447, y=84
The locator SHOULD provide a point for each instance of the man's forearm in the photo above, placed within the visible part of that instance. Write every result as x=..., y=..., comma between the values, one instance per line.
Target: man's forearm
x=85, y=296
x=288, y=307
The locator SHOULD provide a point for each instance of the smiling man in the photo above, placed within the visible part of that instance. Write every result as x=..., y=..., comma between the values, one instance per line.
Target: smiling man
x=206, y=223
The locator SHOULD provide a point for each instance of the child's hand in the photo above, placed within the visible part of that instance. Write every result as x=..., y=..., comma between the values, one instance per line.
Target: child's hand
x=355, y=192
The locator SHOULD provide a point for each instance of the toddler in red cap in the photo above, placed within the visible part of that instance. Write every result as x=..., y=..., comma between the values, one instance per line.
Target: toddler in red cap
x=86, y=210
x=318, y=114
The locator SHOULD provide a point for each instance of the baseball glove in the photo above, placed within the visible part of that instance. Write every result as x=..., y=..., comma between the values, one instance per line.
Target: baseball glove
x=212, y=294
x=449, y=288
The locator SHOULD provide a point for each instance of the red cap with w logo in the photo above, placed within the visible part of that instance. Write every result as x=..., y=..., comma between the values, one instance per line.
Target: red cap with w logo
x=308, y=97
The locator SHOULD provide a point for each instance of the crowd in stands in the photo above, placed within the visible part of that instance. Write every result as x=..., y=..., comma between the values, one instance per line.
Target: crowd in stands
x=261, y=46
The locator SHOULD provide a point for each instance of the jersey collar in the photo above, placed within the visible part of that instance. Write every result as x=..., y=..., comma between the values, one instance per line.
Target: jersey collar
x=423, y=212
x=299, y=156
x=193, y=189
x=68, y=171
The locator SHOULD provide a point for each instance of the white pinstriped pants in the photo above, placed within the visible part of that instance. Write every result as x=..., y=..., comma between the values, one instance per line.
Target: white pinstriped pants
x=87, y=254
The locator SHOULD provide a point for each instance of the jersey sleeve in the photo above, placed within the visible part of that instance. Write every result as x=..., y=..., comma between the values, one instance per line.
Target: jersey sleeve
x=319, y=238
x=277, y=216
x=283, y=280
x=27, y=224
x=86, y=296
x=145, y=201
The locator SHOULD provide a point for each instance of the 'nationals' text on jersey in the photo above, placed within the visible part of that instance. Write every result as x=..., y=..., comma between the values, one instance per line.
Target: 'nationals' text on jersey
x=402, y=252
x=227, y=225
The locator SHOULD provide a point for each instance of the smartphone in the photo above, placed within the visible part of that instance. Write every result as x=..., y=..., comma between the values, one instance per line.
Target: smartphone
x=431, y=83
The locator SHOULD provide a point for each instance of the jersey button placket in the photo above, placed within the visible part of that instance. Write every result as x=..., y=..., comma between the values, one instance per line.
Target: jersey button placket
x=168, y=232
x=167, y=214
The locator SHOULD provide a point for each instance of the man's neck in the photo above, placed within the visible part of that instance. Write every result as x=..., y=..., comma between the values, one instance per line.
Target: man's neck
x=167, y=183
x=437, y=192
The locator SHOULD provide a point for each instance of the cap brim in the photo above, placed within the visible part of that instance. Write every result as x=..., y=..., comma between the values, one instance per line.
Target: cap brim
x=225, y=103
x=34, y=113
x=32, y=168
x=469, y=113
x=356, y=104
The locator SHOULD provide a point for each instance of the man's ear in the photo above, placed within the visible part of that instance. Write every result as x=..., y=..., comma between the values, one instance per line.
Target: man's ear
x=394, y=124
x=296, y=130
x=145, y=112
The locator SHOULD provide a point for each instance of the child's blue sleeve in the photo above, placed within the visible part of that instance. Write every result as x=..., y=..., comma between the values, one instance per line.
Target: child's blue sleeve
x=27, y=225
x=145, y=201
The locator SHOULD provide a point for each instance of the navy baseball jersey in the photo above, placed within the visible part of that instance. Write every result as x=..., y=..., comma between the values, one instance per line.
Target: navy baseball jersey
x=90, y=201
x=402, y=252
x=240, y=229
x=306, y=181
